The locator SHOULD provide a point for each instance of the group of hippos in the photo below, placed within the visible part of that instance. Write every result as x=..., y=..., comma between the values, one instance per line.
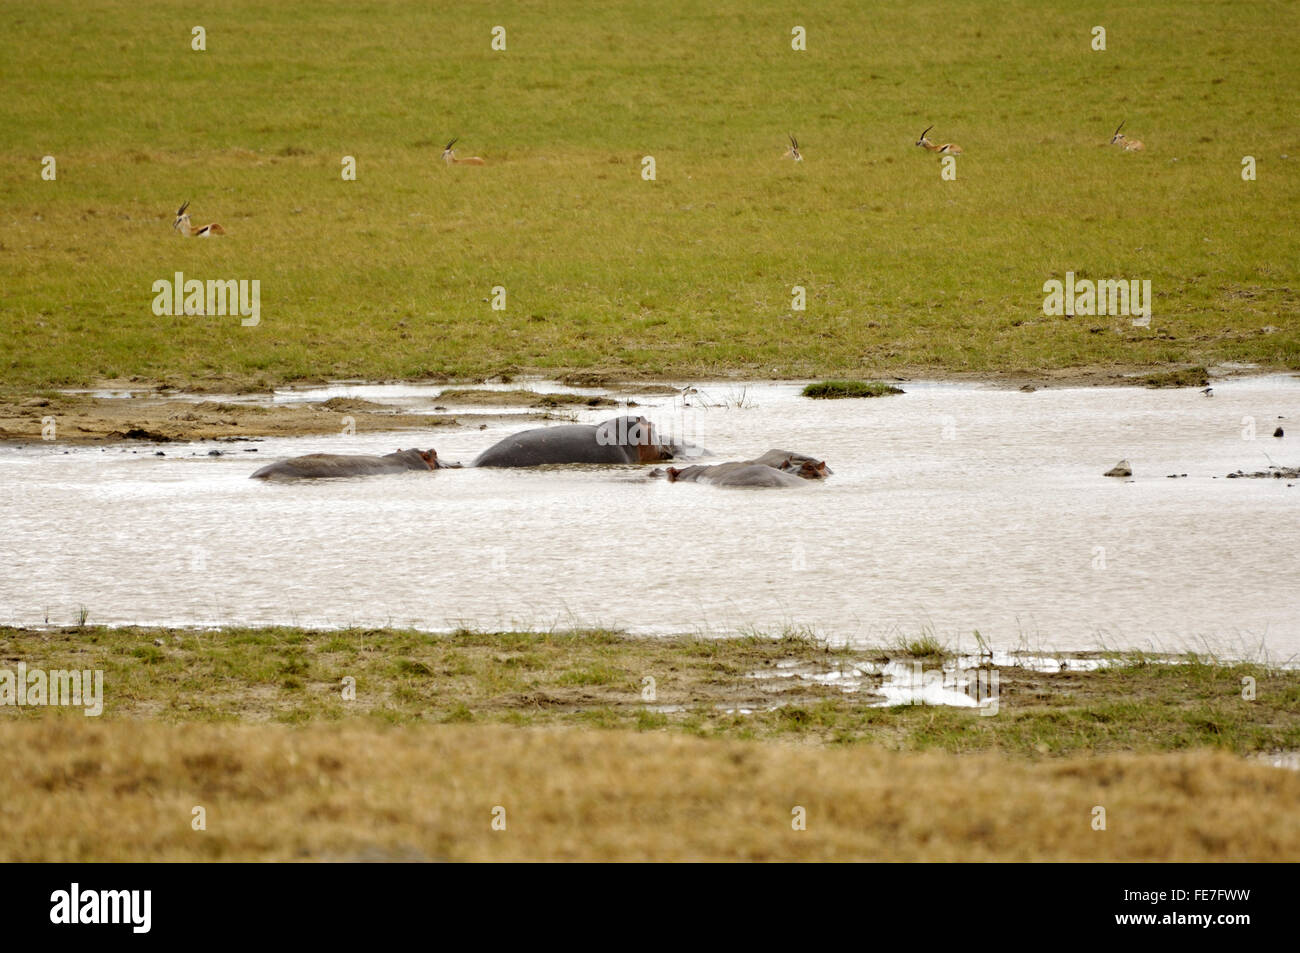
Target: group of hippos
x=620, y=440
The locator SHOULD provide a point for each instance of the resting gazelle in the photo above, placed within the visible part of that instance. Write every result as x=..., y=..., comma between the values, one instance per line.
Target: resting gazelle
x=1119, y=139
x=793, y=151
x=182, y=225
x=449, y=157
x=948, y=148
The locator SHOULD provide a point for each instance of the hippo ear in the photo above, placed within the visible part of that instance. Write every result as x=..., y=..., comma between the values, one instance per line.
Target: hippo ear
x=672, y=473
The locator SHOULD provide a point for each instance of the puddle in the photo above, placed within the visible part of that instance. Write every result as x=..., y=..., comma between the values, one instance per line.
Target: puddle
x=1288, y=760
x=912, y=683
x=956, y=682
x=953, y=507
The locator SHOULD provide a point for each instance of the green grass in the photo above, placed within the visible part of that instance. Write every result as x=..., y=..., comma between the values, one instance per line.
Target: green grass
x=926, y=645
x=390, y=276
x=1182, y=377
x=834, y=389
x=703, y=687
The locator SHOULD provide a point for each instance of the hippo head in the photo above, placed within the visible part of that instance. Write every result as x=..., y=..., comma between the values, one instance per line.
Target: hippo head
x=651, y=450
x=430, y=456
x=813, y=470
x=672, y=473
x=634, y=432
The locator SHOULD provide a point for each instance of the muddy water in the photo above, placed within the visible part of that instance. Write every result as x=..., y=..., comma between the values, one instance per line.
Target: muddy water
x=953, y=508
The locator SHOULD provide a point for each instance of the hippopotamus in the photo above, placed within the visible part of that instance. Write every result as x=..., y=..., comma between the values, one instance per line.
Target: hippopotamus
x=789, y=460
x=734, y=474
x=774, y=468
x=621, y=440
x=319, y=465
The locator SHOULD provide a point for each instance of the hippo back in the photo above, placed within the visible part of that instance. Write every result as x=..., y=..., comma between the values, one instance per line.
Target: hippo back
x=621, y=440
x=315, y=466
x=749, y=474
x=741, y=473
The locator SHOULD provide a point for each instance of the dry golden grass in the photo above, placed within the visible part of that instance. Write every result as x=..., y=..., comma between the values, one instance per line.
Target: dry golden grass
x=124, y=791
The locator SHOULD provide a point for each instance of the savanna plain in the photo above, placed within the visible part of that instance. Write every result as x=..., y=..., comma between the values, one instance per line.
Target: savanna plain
x=612, y=278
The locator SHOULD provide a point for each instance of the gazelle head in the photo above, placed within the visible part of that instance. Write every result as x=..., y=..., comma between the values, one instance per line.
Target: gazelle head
x=922, y=141
x=793, y=151
x=182, y=222
x=1118, y=138
x=447, y=154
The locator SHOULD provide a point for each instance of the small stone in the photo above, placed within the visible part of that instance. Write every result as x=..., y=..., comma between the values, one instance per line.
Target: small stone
x=1277, y=432
x=158, y=642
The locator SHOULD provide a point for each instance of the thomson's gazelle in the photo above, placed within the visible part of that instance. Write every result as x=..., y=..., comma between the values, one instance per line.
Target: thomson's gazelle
x=1119, y=139
x=182, y=225
x=449, y=157
x=793, y=151
x=948, y=148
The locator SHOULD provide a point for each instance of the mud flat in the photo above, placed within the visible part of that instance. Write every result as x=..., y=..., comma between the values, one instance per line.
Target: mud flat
x=86, y=418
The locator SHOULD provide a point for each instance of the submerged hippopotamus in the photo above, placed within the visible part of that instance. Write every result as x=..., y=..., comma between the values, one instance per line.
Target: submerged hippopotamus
x=790, y=461
x=734, y=474
x=321, y=465
x=774, y=468
x=621, y=440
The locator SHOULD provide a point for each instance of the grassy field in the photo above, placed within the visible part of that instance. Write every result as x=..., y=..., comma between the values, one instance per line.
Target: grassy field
x=748, y=689
x=124, y=791
x=390, y=275
x=252, y=726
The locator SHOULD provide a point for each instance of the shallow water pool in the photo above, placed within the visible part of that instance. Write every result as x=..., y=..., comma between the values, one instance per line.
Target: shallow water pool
x=952, y=508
